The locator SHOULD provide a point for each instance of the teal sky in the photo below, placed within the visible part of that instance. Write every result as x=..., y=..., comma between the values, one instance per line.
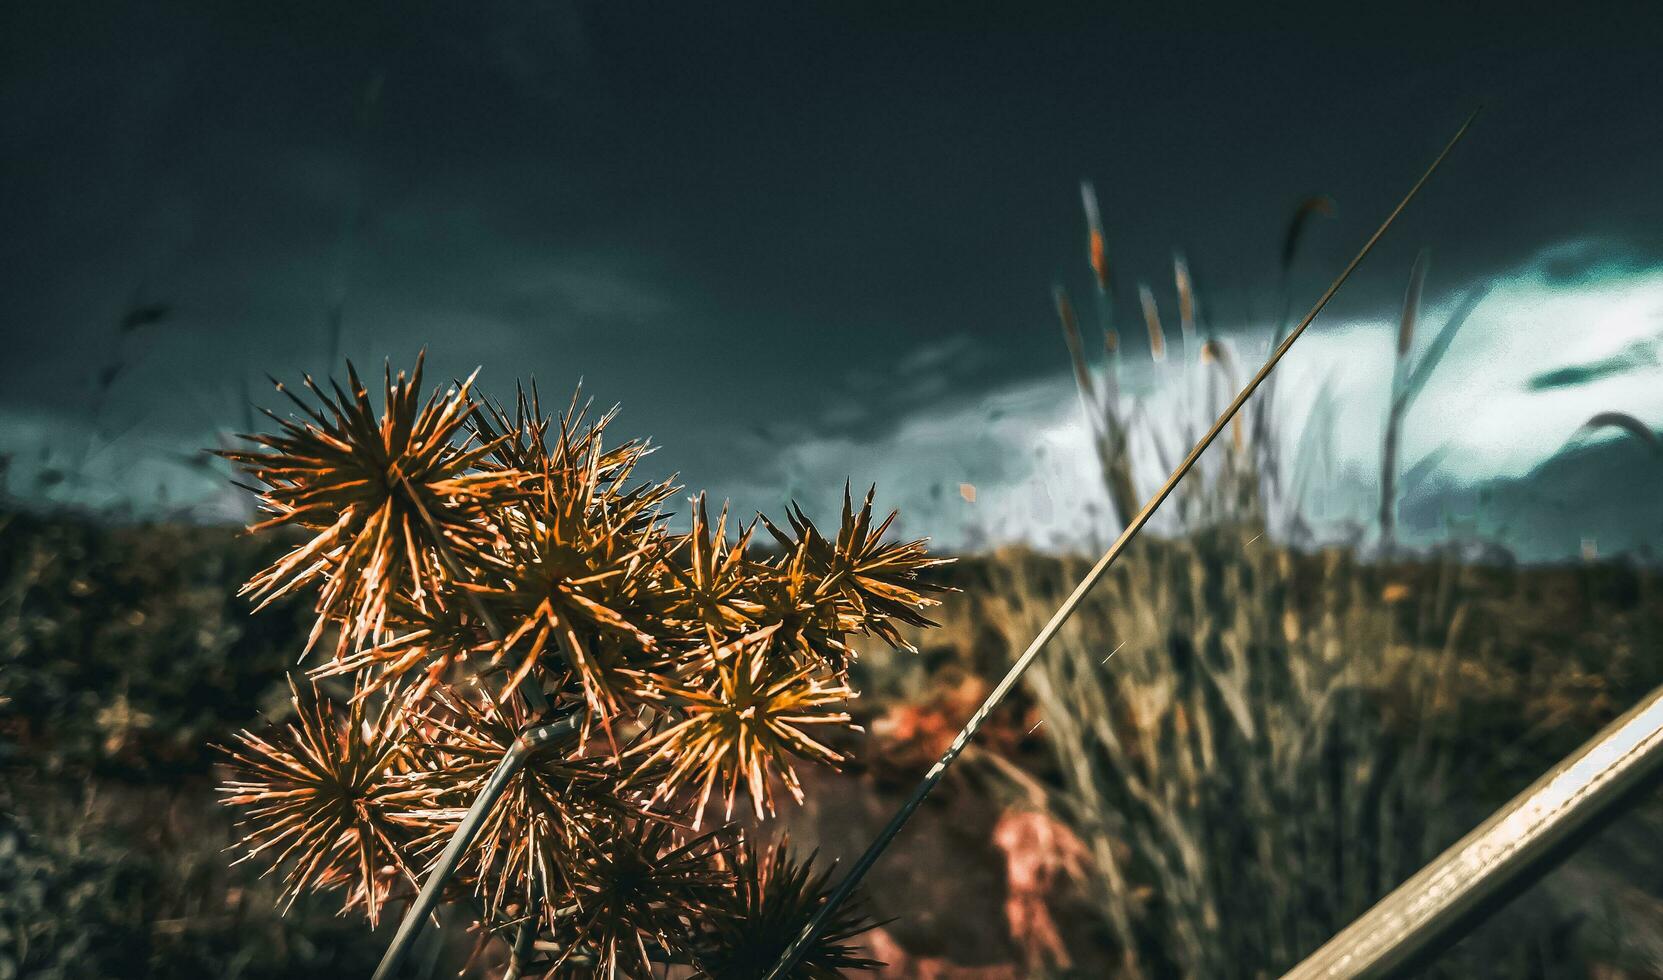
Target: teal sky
x=795, y=246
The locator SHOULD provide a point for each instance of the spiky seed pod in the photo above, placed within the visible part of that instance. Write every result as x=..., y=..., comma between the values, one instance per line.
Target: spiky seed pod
x=324, y=799
x=812, y=621
x=881, y=579
x=381, y=494
x=429, y=633
x=774, y=896
x=462, y=548
x=877, y=580
x=638, y=893
x=580, y=561
x=745, y=711
x=530, y=446
x=551, y=812
x=712, y=584
x=521, y=438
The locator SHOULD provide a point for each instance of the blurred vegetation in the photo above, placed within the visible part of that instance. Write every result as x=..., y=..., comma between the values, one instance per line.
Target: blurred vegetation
x=124, y=655
x=124, y=648
x=1237, y=748
x=1249, y=734
x=1282, y=737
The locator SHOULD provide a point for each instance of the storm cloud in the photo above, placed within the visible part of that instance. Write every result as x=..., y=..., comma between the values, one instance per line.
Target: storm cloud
x=772, y=236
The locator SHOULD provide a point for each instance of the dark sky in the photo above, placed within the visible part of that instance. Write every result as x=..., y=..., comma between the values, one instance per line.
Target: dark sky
x=750, y=223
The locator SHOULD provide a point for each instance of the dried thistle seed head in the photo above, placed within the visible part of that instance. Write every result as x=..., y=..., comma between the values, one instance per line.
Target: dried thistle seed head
x=452, y=541
x=323, y=799
x=637, y=893
x=775, y=895
x=432, y=634
x=744, y=718
x=881, y=579
x=711, y=577
x=810, y=620
x=389, y=498
x=531, y=443
x=581, y=566
x=876, y=581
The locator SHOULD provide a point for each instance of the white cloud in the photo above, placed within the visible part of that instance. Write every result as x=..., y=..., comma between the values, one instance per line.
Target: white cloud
x=1027, y=450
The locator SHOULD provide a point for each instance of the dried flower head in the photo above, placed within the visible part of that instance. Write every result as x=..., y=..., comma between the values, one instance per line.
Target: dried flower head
x=324, y=800
x=714, y=579
x=579, y=562
x=487, y=565
x=639, y=892
x=387, y=497
x=774, y=896
x=878, y=580
x=745, y=722
x=553, y=809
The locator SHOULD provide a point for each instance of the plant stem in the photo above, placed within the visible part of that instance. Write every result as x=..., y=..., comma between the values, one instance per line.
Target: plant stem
x=526, y=934
x=512, y=761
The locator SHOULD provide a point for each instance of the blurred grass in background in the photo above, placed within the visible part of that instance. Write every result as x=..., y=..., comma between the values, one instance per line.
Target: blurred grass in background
x=123, y=655
x=1249, y=745
x=1280, y=737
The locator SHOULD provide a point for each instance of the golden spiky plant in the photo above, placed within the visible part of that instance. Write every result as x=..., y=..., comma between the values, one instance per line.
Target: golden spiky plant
x=483, y=570
x=749, y=926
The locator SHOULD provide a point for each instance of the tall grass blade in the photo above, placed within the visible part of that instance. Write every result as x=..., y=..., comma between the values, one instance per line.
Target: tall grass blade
x=1076, y=350
x=1186, y=304
x=1152, y=320
x=1098, y=249
x=1394, y=413
x=1424, y=467
x=1298, y=225
x=1314, y=206
x=1411, y=305
x=1440, y=344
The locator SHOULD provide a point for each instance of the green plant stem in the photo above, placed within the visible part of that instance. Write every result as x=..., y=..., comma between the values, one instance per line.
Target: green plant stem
x=788, y=960
x=513, y=760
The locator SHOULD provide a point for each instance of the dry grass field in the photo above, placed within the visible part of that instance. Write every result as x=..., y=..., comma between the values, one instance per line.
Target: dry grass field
x=1275, y=738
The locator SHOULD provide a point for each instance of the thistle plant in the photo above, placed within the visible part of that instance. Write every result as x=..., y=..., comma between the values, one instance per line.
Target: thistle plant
x=537, y=702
